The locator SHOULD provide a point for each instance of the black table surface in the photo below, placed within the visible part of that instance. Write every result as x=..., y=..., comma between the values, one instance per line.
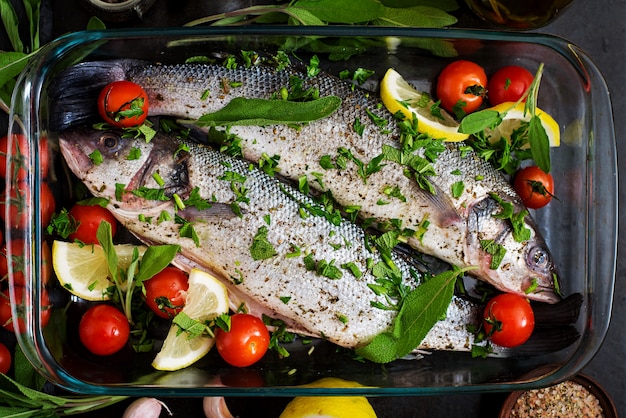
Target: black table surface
x=598, y=27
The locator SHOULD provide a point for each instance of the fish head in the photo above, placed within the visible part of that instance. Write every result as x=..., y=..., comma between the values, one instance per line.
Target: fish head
x=126, y=170
x=509, y=262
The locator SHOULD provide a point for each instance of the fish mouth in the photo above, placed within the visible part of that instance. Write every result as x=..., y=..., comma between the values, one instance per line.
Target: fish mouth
x=77, y=160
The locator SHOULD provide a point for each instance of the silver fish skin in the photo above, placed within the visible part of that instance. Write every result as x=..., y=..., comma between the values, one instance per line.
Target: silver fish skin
x=457, y=224
x=337, y=309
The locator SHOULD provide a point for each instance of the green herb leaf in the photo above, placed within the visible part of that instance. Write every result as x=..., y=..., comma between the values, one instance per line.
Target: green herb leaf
x=418, y=16
x=333, y=11
x=242, y=111
x=261, y=248
x=479, y=121
x=420, y=310
x=155, y=259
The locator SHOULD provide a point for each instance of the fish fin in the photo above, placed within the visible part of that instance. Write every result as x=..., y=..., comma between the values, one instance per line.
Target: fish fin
x=562, y=313
x=75, y=91
x=445, y=214
x=546, y=340
x=215, y=213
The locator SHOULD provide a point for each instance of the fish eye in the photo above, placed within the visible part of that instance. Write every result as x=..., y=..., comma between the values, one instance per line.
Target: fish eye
x=110, y=141
x=538, y=258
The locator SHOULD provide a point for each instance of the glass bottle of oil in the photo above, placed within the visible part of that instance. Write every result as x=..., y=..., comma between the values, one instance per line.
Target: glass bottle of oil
x=517, y=14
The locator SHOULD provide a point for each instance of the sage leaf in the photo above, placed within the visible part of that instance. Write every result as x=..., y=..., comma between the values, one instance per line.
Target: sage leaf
x=539, y=144
x=303, y=17
x=420, y=311
x=242, y=111
x=446, y=5
x=479, y=121
x=347, y=12
x=11, y=64
x=105, y=239
x=155, y=259
x=419, y=16
x=10, y=21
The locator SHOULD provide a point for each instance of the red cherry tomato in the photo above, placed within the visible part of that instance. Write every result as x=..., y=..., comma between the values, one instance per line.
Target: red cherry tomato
x=104, y=330
x=6, y=320
x=20, y=155
x=123, y=104
x=534, y=186
x=88, y=218
x=461, y=86
x=17, y=248
x=5, y=359
x=166, y=292
x=509, y=320
x=20, y=213
x=508, y=84
x=245, y=343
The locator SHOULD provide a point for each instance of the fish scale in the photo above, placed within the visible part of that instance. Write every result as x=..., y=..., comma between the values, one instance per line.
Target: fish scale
x=458, y=225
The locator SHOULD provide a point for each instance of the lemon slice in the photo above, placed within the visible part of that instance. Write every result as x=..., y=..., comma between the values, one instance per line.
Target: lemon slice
x=207, y=298
x=83, y=269
x=515, y=116
x=329, y=406
x=399, y=96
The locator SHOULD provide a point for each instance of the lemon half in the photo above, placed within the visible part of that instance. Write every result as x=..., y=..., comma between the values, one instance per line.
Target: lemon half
x=207, y=298
x=83, y=269
x=399, y=96
x=515, y=116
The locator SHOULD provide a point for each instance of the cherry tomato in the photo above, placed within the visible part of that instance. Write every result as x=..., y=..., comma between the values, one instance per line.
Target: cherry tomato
x=461, y=86
x=88, y=218
x=5, y=359
x=534, y=186
x=508, y=84
x=166, y=292
x=6, y=320
x=20, y=155
x=509, y=320
x=17, y=247
x=104, y=330
x=245, y=343
x=123, y=104
x=19, y=210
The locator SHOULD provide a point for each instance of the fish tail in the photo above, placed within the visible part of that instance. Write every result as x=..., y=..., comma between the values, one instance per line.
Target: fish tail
x=75, y=91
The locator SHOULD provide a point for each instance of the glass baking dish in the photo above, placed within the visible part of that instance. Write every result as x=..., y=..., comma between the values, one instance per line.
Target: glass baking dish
x=580, y=228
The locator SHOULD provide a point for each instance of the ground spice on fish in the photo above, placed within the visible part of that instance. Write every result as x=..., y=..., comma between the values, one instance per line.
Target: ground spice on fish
x=568, y=399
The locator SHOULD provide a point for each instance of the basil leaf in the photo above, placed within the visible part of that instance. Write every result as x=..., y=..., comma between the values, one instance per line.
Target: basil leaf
x=243, y=111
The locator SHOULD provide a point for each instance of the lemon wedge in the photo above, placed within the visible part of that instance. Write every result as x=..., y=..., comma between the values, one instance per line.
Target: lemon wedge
x=515, y=116
x=83, y=269
x=207, y=298
x=329, y=406
x=399, y=96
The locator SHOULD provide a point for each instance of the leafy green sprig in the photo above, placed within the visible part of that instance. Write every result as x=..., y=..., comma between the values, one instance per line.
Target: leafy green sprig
x=533, y=133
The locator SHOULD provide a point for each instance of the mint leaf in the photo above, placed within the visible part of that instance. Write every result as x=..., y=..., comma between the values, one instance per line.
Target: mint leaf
x=420, y=311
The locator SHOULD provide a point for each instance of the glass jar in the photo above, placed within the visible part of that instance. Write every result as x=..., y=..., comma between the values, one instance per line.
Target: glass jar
x=517, y=14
